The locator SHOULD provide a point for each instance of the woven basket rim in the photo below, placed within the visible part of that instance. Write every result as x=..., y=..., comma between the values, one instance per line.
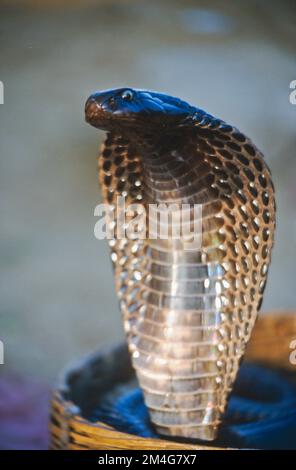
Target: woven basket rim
x=69, y=429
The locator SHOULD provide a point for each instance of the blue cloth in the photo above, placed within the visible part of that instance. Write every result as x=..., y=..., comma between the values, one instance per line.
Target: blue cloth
x=261, y=412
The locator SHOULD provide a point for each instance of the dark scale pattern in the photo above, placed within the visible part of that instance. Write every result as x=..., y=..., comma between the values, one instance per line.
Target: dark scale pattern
x=189, y=314
x=120, y=175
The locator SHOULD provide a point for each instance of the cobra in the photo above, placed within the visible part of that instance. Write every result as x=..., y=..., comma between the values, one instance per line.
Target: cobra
x=188, y=314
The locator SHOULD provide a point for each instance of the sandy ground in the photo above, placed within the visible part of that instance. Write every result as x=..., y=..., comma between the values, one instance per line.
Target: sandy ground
x=235, y=61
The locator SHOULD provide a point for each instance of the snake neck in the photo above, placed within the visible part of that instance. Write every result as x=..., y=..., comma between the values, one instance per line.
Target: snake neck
x=164, y=155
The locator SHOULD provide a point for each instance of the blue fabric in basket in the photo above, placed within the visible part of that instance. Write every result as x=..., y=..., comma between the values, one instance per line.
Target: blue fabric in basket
x=261, y=412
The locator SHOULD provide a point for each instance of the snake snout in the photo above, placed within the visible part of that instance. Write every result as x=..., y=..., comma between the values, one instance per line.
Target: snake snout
x=92, y=110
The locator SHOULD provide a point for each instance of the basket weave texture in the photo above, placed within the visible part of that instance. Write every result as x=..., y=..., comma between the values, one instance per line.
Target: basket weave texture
x=81, y=386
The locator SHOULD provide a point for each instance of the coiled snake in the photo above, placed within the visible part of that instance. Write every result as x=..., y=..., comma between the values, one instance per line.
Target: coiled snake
x=188, y=313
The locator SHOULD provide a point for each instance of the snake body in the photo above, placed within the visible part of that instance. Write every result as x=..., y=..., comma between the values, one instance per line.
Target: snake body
x=188, y=314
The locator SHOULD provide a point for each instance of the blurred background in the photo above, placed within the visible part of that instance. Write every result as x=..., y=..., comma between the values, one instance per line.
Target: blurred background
x=235, y=59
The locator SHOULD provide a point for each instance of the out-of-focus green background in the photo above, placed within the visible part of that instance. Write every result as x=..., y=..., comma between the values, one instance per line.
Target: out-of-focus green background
x=235, y=59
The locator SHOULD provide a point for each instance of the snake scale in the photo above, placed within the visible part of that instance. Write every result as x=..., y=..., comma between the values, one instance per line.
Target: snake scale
x=188, y=313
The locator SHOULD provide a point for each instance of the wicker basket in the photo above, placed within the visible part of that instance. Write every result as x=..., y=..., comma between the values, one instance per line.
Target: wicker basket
x=270, y=344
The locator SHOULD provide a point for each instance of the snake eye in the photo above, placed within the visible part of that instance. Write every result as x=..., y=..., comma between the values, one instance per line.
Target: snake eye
x=127, y=95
